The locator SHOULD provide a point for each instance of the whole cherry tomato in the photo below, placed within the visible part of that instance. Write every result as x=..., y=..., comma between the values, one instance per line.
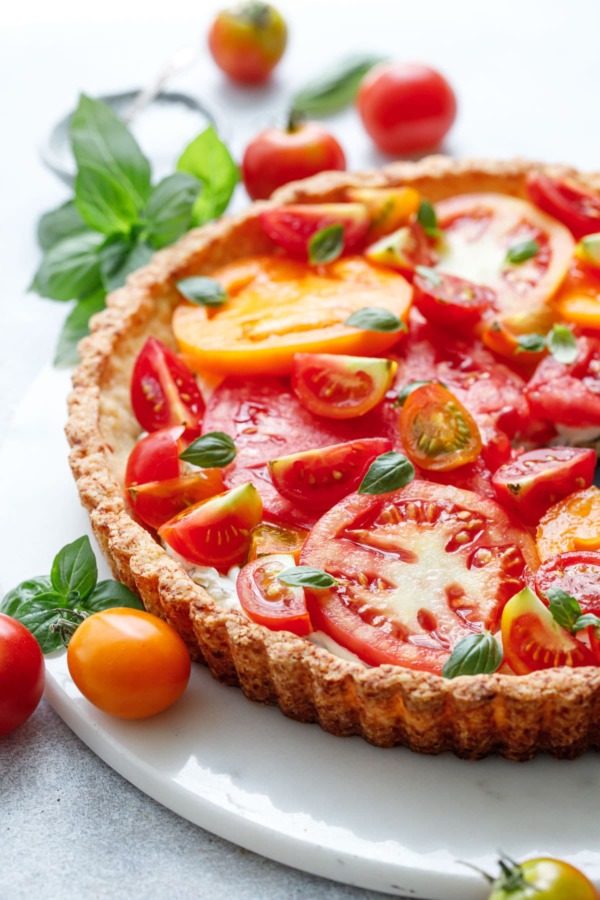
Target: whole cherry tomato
x=128, y=663
x=247, y=41
x=543, y=878
x=406, y=107
x=22, y=674
x=279, y=155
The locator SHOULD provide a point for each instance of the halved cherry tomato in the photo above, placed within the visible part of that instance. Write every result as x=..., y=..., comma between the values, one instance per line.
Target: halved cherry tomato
x=341, y=387
x=388, y=208
x=543, y=878
x=403, y=250
x=292, y=227
x=532, y=640
x=156, y=457
x=163, y=390
x=270, y=602
x=530, y=484
x=285, y=308
x=319, y=478
x=568, y=395
x=158, y=501
x=417, y=570
x=452, y=302
x=267, y=539
x=567, y=200
x=247, y=41
x=578, y=299
x=437, y=431
x=216, y=532
x=22, y=674
x=571, y=524
x=504, y=340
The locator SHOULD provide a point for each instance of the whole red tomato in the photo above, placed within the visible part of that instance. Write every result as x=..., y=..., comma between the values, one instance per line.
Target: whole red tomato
x=406, y=107
x=247, y=41
x=22, y=674
x=279, y=155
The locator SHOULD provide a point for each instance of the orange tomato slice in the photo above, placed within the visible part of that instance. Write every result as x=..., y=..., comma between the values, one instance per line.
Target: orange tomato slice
x=278, y=307
x=571, y=524
x=578, y=299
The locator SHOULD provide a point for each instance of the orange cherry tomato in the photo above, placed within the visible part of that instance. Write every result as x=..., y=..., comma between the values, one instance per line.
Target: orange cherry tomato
x=270, y=602
x=341, y=387
x=437, y=431
x=571, y=524
x=128, y=663
x=267, y=539
x=281, y=307
x=247, y=41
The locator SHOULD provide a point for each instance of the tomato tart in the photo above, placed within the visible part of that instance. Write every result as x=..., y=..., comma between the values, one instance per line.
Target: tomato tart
x=345, y=443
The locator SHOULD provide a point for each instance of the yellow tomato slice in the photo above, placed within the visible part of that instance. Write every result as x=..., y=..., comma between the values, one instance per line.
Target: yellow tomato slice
x=578, y=299
x=277, y=307
x=571, y=524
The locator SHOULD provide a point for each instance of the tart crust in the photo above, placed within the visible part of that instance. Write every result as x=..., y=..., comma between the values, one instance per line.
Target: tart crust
x=556, y=710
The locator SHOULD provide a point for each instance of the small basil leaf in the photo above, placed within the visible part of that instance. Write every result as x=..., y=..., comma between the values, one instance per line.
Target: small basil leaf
x=38, y=614
x=24, y=592
x=203, y=291
x=326, y=245
x=307, y=576
x=388, y=472
x=476, y=654
x=208, y=159
x=375, y=318
x=408, y=388
x=110, y=593
x=589, y=619
x=104, y=202
x=75, y=569
x=562, y=344
x=170, y=209
x=531, y=343
x=71, y=269
x=564, y=608
x=334, y=90
x=427, y=217
x=211, y=451
x=522, y=251
x=58, y=224
x=121, y=255
x=76, y=327
x=430, y=274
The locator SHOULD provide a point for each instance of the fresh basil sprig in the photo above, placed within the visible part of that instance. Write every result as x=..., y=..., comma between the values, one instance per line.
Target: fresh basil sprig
x=560, y=341
x=326, y=245
x=522, y=251
x=71, y=590
x=476, y=654
x=307, y=576
x=202, y=291
x=375, y=318
x=427, y=217
x=388, y=472
x=334, y=90
x=211, y=451
x=567, y=612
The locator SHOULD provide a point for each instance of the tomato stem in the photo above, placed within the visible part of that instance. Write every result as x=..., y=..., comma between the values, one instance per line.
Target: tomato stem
x=295, y=120
x=67, y=623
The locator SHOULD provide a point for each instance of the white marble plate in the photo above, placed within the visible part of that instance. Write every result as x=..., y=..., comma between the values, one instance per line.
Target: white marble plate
x=388, y=820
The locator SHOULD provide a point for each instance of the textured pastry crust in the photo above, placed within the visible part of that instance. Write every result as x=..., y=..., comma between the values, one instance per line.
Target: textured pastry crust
x=556, y=710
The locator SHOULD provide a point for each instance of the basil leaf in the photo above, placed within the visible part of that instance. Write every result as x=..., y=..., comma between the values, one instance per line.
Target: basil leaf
x=388, y=472
x=476, y=654
x=430, y=274
x=307, y=576
x=375, y=318
x=522, y=251
x=208, y=159
x=102, y=142
x=203, y=291
x=121, y=255
x=58, y=224
x=75, y=569
x=71, y=269
x=38, y=614
x=530, y=343
x=562, y=344
x=108, y=594
x=76, y=327
x=427, y=217
x=326, y=245
x=211, y=451
x=589, y=619
x=564, y=608
x=408, y=388
x=334, y=90
x=104, y=203
x=169, y=212
x=24, y=592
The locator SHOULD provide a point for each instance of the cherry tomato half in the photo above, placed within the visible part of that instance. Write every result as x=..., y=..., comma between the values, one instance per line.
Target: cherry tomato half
x=406, y=107
x=403, y=250
x=277, y=156
x=388, y=208
x=247, y=41
x=163, y=390
x=158, y=501
x=571, y=524
x=22, y=674
x=451, y=302
x=267, y=539
x=341, y=387
x=128, y=663
x=569, y=202
x=270, y=602
x=156, y=457
x=292, y=227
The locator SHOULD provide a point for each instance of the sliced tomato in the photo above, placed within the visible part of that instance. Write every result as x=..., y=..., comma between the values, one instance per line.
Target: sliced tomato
x=292, y=227
x=532, y=640
x=451, y=302
x=504, y=340
x=216, y=532
x=404, y=250
x=320, y=478
x=417, y=570
x=281, y=307
x=571, y=524
x=163, y=389
x=156, y=457
x=568, y=201
x=270, y=602
x=388, y=208
x=436, y=429
x=530, y=484
x=341, y=387
x=158, y=501
x=569, y=395
x=578, y=299
x=267, y=539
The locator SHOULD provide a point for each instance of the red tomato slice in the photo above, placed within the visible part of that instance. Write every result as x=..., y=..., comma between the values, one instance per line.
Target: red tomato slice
x=158, y=501
x=568, y=395
x=163, y=389
x=267, y=539
x=451, y=302
x=530, y=484
x=341, y=387
x=532, y=640
x=292, y=227
x=436, y=429
x=216, y=532
x=577, y=207
x=156, y=457
x=320, y=478
x=270, y=602
x=417, y=570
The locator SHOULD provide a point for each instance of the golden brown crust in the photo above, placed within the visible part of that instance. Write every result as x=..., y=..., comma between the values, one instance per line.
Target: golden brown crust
x=556, y=710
